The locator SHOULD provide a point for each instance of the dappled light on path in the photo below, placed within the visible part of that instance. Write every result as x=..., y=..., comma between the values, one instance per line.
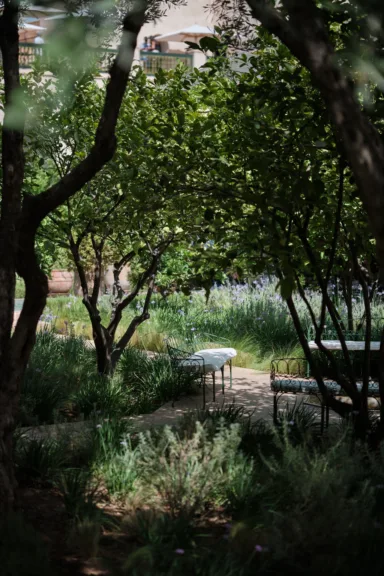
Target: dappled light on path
x=251, y=389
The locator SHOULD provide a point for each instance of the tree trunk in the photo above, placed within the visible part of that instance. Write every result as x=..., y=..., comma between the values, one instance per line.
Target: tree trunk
x=14, y=363
x=20, y=218
x=7, y=478
x=103, y=345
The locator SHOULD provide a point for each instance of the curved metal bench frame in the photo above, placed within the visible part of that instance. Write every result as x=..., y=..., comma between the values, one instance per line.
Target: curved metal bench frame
x=178, y=357
x=290, y=376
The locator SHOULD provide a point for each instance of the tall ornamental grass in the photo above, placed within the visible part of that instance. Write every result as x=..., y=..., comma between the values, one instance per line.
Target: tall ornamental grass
x=252, y=317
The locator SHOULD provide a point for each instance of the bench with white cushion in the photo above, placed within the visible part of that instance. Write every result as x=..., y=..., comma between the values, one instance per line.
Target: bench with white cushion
x=210, y=359
x=352, y=345
x=203, y=362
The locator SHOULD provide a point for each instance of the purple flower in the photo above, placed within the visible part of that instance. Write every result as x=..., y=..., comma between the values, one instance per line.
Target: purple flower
x=258, y=548
x=179, y=551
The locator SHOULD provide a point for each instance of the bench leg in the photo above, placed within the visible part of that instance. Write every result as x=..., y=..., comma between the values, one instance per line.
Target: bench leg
x=222, y=379
x=230, y=374
x=214, y=386
x=327, y=417
x=322, y=419
x=275, y=409
x=175, y=389
x=203, y=382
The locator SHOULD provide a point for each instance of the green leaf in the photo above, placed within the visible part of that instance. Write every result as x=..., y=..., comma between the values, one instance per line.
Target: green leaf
x=193, y=46
x=209, y=43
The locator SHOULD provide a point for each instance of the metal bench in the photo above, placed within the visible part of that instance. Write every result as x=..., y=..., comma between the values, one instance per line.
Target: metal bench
x=290, y=376
x=197, y=365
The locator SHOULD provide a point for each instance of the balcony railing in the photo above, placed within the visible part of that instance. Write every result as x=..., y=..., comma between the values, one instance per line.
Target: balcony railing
x=29, y=52
x=154, y=61
x=151, y=62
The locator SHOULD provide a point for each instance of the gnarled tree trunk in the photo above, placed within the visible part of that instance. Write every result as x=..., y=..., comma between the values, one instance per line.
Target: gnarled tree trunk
x=21, y=216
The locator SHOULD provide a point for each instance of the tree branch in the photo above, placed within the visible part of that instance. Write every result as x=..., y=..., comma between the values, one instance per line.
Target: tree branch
x=135, y=323
x=105, y=139
x=98, y=250
x=329, y=304
x=306, y=36
x=12, y=169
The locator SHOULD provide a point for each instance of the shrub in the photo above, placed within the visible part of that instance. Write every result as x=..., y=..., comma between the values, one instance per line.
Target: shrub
x=109, y=438
x=102, y=395
x=300, y=421
x=151, y=380
x=159, y=536
x=255, y=436
x=213, y=418
x=188, y=474
x=116, y=461
x=57, y=367
x=119, y=474
x=75, y=484
x=312, y=507
x=40, y=458
x=85, y=536
x=41, y=398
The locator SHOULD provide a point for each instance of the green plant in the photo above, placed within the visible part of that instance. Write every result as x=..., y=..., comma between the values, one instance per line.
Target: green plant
x=40, y=458
x=187, y=474
x=313, y=493
x=300, y=422
x=151, y=380
x=213, y=419
x=256, y=436
x=85, y=536
x=119, y=474
x=75, y=484
x=103, y=395
x=57, y=368
x=158, y=535
x=109, y=438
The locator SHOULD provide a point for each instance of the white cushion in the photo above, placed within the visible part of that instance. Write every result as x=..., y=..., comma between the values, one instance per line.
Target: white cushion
x=209, y=360
x=351, y=345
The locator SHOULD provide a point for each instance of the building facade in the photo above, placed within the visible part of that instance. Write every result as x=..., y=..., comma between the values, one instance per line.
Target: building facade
x=150, y=54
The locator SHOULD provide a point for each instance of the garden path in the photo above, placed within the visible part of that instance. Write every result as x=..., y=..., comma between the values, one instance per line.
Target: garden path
x=250, y=389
